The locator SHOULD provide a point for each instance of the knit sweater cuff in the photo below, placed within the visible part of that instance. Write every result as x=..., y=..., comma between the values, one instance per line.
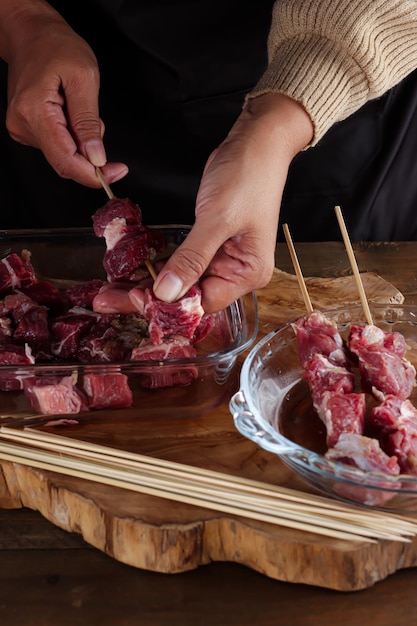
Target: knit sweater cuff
x=327, y=82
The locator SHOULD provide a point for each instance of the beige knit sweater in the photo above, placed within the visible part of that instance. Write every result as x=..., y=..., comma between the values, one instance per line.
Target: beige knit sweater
x=332, y=56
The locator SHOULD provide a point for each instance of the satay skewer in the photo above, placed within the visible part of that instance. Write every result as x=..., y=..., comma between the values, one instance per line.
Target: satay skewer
x=354, y=265
x=104, y=183
x=110, y=194
x=297, y=269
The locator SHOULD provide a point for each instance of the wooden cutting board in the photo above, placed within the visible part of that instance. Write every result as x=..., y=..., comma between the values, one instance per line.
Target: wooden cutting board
x=164, y=536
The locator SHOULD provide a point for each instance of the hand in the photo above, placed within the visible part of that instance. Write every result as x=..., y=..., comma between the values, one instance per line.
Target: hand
x=231, y=246
x=53, y=93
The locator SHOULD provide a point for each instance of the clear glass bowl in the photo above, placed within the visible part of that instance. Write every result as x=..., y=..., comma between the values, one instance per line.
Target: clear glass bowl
x=66, y=257
x=273, y=408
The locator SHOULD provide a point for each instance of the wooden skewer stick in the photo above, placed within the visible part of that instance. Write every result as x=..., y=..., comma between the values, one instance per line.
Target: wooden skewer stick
x=104, y=183
x=354, y=265
x=110, y=194
x=151, y=269
x=297, y=269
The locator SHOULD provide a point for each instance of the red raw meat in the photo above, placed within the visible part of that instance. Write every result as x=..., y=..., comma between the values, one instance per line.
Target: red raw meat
x=45, y=294
x=366, y=454
x=102, y=345
x=54, y=396
x=15, y=272
x=29, y=322
x=173, y=318
x=317, y=334
x=323, y=375
x=116, y=208
x=33, y=329
x=67, y=331
x=128, y=242
x=16, y=305
x=395, y=421
x=134, y=247
x=383, y=368
x=112, y=339
x=374, y=338
x=84, y=294
x=342, y=413
x=203, y=329
x=5, y=328
x=167, y=375
x=107, y=390
x=12, y=354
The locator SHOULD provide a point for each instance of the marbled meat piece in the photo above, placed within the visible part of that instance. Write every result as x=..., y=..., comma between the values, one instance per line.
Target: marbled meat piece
x=323, y=375
x=107, y=390
x=317, y=334
x=166, y=374
x=395, y=421
x=33, y=329
x=83, y=295
x=28, y=322
x=342, y=413
x=366, y=454
x=119, y=209
x=16, y=271
x=136, y=245
x=13, y=354
x=382, y=365
x=173, y=318
x=67, y=331
x=128, y=242
x=363, y=452
x=46, y=294
x=372, y=337
x=54, y=395
x=112, y=339
x=332, y=391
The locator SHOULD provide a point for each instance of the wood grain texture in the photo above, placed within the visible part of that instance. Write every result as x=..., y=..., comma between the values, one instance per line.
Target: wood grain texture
x=162, y=536
x=44, y=581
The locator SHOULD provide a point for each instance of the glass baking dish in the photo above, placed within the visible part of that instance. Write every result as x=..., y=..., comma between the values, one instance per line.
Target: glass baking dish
x=68, y=257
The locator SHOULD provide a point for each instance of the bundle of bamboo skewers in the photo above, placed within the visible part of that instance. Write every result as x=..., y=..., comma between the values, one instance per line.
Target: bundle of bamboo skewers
x=212, y=490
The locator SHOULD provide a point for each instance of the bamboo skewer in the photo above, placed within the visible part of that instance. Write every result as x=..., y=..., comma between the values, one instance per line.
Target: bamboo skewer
x=15, y=454
x=104, y=183
x=110, y=194
x=200, y=487
x=354, y=266
x=297, y=269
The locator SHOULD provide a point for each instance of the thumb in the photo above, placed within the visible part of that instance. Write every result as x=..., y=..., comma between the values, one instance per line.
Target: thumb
x=186, y=265
x=87, y=128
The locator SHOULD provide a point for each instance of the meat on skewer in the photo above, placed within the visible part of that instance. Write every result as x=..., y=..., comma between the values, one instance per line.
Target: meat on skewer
x=326, y=369
x=383, y=367
x=395, y=424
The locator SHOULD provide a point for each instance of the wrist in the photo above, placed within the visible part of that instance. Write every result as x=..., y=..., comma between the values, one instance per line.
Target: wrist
x=280, y=120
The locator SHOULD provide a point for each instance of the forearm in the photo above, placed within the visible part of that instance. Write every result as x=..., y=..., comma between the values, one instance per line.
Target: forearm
x=18, y=19
x=332, y=57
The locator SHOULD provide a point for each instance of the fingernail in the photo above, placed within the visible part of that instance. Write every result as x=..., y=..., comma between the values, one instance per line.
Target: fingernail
x=169, y=288
x=95, y=153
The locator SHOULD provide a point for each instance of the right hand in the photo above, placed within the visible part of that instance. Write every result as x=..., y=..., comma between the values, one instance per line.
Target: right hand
x=231, y=246
x=53, y=88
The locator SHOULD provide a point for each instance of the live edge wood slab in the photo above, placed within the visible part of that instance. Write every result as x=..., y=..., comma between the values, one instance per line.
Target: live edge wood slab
x=164, y=536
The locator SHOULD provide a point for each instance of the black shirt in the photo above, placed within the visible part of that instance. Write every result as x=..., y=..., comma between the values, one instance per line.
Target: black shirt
x=173, y=79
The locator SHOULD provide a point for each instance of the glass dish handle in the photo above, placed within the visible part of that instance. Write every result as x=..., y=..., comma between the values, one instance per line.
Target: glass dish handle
x=261, y=433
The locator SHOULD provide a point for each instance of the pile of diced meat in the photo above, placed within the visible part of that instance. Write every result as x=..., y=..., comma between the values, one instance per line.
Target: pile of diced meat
x=97, y=322
x=383, y=438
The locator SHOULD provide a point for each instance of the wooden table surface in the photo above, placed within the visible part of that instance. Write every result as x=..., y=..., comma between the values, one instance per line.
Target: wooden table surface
x=49, y=577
